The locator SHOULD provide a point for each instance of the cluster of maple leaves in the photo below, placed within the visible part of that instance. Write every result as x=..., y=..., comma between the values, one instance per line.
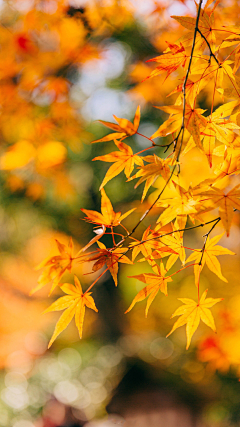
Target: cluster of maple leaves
x=209, y=56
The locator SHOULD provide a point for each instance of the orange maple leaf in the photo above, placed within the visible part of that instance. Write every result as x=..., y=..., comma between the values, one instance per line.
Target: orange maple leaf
x=110, y=257
x=123, y=129
x=206, y=26
x=169, y=62
x=150, y=241
x=149, y=173
x=108, y=217
x=156, y=282
x=123, y=160
x=194, y=122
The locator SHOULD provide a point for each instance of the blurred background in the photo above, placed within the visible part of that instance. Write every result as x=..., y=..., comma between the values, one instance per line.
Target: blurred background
x=64, y=65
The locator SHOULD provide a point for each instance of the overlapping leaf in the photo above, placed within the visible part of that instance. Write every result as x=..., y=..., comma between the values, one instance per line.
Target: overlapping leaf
x=149, y=173
x=205, y=25
x=150, y=242
x=155, y=282
x=180, y=206
x=194, y=122
x=54, y=267
x=110, y=257
x=226, y=203
x=122, y=160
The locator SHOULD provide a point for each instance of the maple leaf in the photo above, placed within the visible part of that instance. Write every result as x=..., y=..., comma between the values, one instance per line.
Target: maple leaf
x=110, y=257
x=209, y=257
x=218, y=128
x=108, y=217
x=123, y=129
x=123, y=160
x=226, y=202
x=169, y=62
x=216, y=71
x=192, y=312
x=205, y=25
x=156, y=282
x=174, y=242
x=194, y=122
x=149, y=173
x=230, y=166
x=56, y=266
x=192, y=89
x=74, y=304
x=149, y=243
x=180, y=206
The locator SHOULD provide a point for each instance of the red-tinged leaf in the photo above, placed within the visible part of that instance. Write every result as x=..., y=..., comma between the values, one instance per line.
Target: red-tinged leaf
x=169, y=62
x=110, y=257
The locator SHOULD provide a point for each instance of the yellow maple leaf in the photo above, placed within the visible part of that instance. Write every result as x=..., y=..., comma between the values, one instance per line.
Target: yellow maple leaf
x=192, y=312
x=148, y=243
x=178, y=207
x=226, y=202
x=124, y=159
x=210, y=257
x=74, y=304
x=149, y=173
x=156, y=282
x=54, y=267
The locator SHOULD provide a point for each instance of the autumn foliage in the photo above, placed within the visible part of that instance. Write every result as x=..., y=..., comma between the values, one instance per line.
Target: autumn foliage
x=206, y=59
x=194, y=85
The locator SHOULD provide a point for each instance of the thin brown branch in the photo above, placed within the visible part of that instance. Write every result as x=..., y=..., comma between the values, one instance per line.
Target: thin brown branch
x=179, y=133
x=206, y=237
x=209, y=47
